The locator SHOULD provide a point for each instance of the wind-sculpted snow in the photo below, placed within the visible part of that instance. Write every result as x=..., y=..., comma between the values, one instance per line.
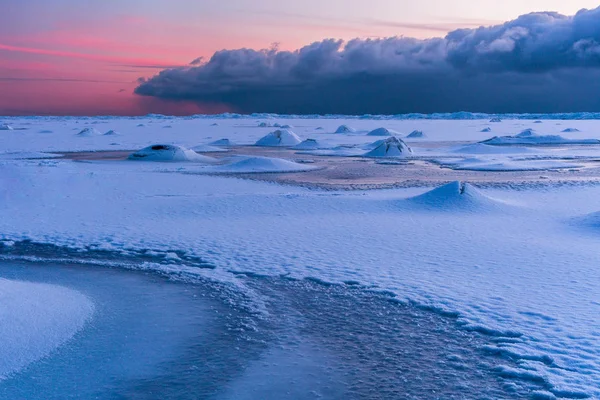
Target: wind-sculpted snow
x=248, y=165
x=164, y=153
x=280, y=137
x=36, y=319
x=391, y=147
x=456, y=196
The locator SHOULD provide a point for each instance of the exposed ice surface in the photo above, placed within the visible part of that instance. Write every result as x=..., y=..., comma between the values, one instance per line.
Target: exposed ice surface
x=35, y=319
x=519, y=266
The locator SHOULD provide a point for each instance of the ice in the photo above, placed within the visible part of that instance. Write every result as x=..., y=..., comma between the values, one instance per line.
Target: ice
x=280, y=137
x=514, y=259
x=36, y=319
x=168, y=152
x=391, y=147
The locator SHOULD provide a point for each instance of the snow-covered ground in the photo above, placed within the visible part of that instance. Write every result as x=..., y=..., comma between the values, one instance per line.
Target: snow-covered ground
x=517, y=266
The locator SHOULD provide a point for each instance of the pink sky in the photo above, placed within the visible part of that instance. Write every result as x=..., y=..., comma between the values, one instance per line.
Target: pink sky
x=77, y=60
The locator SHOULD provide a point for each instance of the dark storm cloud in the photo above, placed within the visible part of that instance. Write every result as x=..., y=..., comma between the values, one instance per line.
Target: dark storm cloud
x=540, y=62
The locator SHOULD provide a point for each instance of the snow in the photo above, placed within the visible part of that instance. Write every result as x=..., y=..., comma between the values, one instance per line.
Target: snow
x=415, y=135
x=246, y=165
x=309, y=144
x=112, y=133
x=87, y=132
x=529, y=137
x=486, y=130
x=168, y=152
x=345, y=129
x=456, y=196
x=391, y=147
x=280, y=137
x=6, y=127
x=222, y=142
x=36, y=319
x=207, y=148
x=516, y=262
x=382, y=132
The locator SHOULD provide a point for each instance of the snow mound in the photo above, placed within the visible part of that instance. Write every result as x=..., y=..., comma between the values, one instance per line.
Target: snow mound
x=6, y=127
x=248, y=165
x=456, y=195
x=35, y=320
x=281, y=137
x=309, y=144
x=264, y=125
x=568, y=130
x=88, y=132
x=416, y=135
x=206, y=148
x=345, y=129
x=140, y=125
x=529, y=137
x=221, y=142
x=286, y=126
x=277, y=125
x=167, y=126
x=169, y=152
x=391, y=147
x=382, y=132
x=486, y=130
x=480, y=148
x=496, y=119
x=537, y=122
x=112, y=133
x=214, y=124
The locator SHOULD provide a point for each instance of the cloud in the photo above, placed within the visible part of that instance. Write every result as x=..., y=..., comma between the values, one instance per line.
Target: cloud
x=540, y=62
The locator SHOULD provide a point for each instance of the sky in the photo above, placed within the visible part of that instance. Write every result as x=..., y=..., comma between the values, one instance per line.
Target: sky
x=132, y=57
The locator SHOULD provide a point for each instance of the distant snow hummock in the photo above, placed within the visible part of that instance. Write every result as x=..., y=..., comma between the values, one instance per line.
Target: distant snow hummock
x=88, y=132
x=35, y=319
x=248, y=165
x=222, y=143
x=382, y=132
x=391, y=147
x=569, y=130
x=169, y=152
x=456, y=195
x=485, y=130
x=416, y=135
x=496, y=119
x=480, y=148
x=112, y=133
x=6, y=127
x=345, y=129
x=206, y=148
x=264, y=125
x=529, y=137
x=281, y=137
x=310, y=144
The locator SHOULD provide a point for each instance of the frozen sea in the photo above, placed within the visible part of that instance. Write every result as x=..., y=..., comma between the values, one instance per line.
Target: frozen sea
x=320, y=270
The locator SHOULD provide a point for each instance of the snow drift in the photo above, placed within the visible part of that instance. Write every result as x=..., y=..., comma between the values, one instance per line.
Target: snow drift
x=529, y=137
x=415, y=135
x=310, y=144
x=456, y=196
x=281, y=137
x=169, y=152
x=6, y=127
x=222, y=142
x=345, y=129
x=248, y=165
x=88, y=132
x=391, y=147
x=382, y=132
